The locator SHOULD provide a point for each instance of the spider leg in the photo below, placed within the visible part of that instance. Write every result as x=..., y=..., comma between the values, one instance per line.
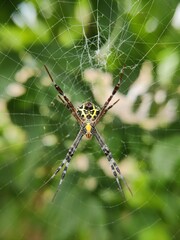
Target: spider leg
x=66, y=105
x=60, y=98
x=67, y=160
x=115, y=169
x=64, y=98
x=103, y=109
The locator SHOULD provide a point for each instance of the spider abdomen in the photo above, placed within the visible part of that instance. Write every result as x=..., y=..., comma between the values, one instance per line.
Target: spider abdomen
x=88, y=111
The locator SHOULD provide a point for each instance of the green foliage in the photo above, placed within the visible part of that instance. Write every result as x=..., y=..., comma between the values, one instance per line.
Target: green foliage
x=36, y=130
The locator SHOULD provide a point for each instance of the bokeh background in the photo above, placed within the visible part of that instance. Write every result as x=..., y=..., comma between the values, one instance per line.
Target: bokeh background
x=85, y=44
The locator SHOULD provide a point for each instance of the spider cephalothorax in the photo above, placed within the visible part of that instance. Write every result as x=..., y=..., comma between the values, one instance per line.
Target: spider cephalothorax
x=88, y=115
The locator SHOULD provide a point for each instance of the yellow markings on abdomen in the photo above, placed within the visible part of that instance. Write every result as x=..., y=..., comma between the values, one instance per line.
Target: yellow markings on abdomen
x=88, y=111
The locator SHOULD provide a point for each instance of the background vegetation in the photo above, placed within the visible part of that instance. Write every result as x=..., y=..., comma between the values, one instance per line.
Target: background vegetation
x=71, y=37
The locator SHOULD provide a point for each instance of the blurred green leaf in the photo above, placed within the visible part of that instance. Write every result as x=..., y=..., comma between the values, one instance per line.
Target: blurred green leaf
x=165, y=158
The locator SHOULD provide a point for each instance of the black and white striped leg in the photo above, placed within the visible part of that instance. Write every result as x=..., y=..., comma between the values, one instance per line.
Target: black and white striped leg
x=67, y=160
x=104, y=108
x=64, y=98
x=107, y=109
x=115, y=169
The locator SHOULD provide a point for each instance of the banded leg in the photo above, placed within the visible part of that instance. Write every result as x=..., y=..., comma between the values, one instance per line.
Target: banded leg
x=103, y=109
x=64, y=98
x=67, y=160
x=115, y=169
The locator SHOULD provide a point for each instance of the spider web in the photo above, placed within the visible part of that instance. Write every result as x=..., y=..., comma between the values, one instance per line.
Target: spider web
x=85, y=44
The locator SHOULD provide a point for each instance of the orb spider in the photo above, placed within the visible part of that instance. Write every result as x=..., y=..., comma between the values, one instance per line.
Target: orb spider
x=88, y=115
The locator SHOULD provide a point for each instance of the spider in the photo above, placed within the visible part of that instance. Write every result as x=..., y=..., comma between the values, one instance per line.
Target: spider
x=88, y=116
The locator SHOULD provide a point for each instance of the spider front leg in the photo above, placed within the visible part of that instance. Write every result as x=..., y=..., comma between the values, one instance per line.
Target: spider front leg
x=65, y=100
x=105, y=107
x=67, y=160
x=105, y=111
x=115, y=169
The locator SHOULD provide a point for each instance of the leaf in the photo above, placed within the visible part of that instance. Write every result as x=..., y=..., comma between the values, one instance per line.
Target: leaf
x=165, y=156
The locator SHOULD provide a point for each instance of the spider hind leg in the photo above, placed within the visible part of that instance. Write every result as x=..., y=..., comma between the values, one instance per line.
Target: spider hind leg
x=67, y=160
x=115, y=169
